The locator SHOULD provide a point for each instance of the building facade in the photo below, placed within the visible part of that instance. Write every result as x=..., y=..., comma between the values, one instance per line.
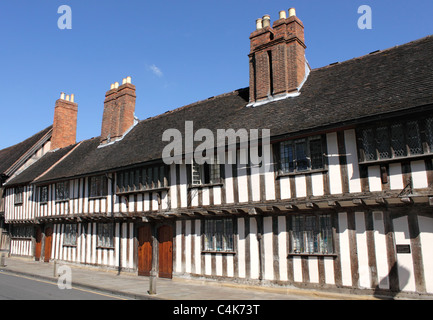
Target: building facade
x=340, y=199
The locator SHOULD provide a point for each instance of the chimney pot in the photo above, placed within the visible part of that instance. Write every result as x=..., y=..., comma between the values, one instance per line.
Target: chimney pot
x=259, y=24
x=62, y=96
x=283, y=14
x=266, y=21
x=124, y=81
x=128, y=80
x=67, y=97
x=116, y=85
x=292, y=12
x=72, y=97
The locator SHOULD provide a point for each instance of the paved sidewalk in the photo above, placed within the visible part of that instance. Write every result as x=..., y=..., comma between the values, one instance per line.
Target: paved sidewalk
x=132, y=286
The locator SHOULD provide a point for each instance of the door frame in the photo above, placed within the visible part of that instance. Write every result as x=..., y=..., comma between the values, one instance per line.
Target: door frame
x=48, y=242
x=145, y=262
x=38, y=243
x=167, y=272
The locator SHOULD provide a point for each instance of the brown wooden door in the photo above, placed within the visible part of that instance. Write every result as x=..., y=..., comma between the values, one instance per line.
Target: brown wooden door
x=144, y=250
x=38, y=247
x=165, y=238
x=48, y=243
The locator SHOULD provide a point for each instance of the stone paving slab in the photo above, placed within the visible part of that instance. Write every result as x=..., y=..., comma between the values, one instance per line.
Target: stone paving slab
x=133, y=286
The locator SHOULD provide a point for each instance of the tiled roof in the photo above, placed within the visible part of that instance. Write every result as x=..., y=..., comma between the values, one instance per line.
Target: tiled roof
x=386, y=82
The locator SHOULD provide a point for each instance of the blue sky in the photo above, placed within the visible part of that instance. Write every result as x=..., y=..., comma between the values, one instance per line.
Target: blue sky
x=177, y=52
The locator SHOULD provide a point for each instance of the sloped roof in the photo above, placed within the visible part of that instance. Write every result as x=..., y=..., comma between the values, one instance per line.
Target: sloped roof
x=9, y=156
x=39, y=167
x=389, y=81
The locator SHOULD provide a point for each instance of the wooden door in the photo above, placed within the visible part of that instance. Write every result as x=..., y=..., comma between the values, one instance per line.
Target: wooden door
x=165, y=239
x=144, y=250
x=38, y=247
x=48, y=243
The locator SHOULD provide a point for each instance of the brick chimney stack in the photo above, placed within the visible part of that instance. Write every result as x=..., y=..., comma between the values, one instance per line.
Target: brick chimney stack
x=65, y=122
x=119, y=108
x=277, y=58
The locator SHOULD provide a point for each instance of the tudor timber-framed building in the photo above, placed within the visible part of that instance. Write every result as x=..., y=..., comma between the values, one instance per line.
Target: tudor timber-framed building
x=345, y=199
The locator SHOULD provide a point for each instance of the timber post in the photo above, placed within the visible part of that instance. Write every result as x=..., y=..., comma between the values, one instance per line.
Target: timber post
x=152, y=282
x=2, y=260
x=153, y=271
x=55, y=274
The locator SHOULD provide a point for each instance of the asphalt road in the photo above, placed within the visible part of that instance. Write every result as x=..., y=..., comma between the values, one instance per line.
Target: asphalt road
x=14, y=287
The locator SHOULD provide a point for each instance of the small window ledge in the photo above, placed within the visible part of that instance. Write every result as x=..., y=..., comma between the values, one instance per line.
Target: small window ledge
x=333, y=255
x=298, y=173
x=205, y=185
x=399, y=159
x=216, y=252
x=124, y=193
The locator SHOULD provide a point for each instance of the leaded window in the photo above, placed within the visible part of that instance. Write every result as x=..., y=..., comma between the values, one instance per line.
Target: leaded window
x=207, y=173
x=21, y=232
x=70, y=235
x=383, y=143
x=413, y=138
x=105, y=235
x=62, y=191
x=98, y=186
x=43, y=196
x=312, y=234
x=429, y=133
x=396, y=140
x=19, y=191
x=301, y=155
x=143, y=178
x=218, y=235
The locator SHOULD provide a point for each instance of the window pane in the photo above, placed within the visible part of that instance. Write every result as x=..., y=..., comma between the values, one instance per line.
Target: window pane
x=312, y=234
x=218, y=235
x=209, y=232
x=413, y=138
x=302, y=162
x=219, y=230
x=316, y=154
x=44, y=194
x=105, y=235
x=397, y=140
x=70, y=237
x=309, y=234
x=228, y=235
x=429, y=133
x=19, y=195
x=383, y=143
x=196, y=174
x=62, y=191
x=286, y=156
x=368, y=144
x=297, y=237
x=325, y=235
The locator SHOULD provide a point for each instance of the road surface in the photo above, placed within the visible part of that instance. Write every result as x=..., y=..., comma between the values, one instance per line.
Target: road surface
x=15, y=287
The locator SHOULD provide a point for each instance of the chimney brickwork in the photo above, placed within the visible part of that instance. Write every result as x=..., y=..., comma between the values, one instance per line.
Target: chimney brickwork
x=119, y=108
x=277, y=57
x=65, y=122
